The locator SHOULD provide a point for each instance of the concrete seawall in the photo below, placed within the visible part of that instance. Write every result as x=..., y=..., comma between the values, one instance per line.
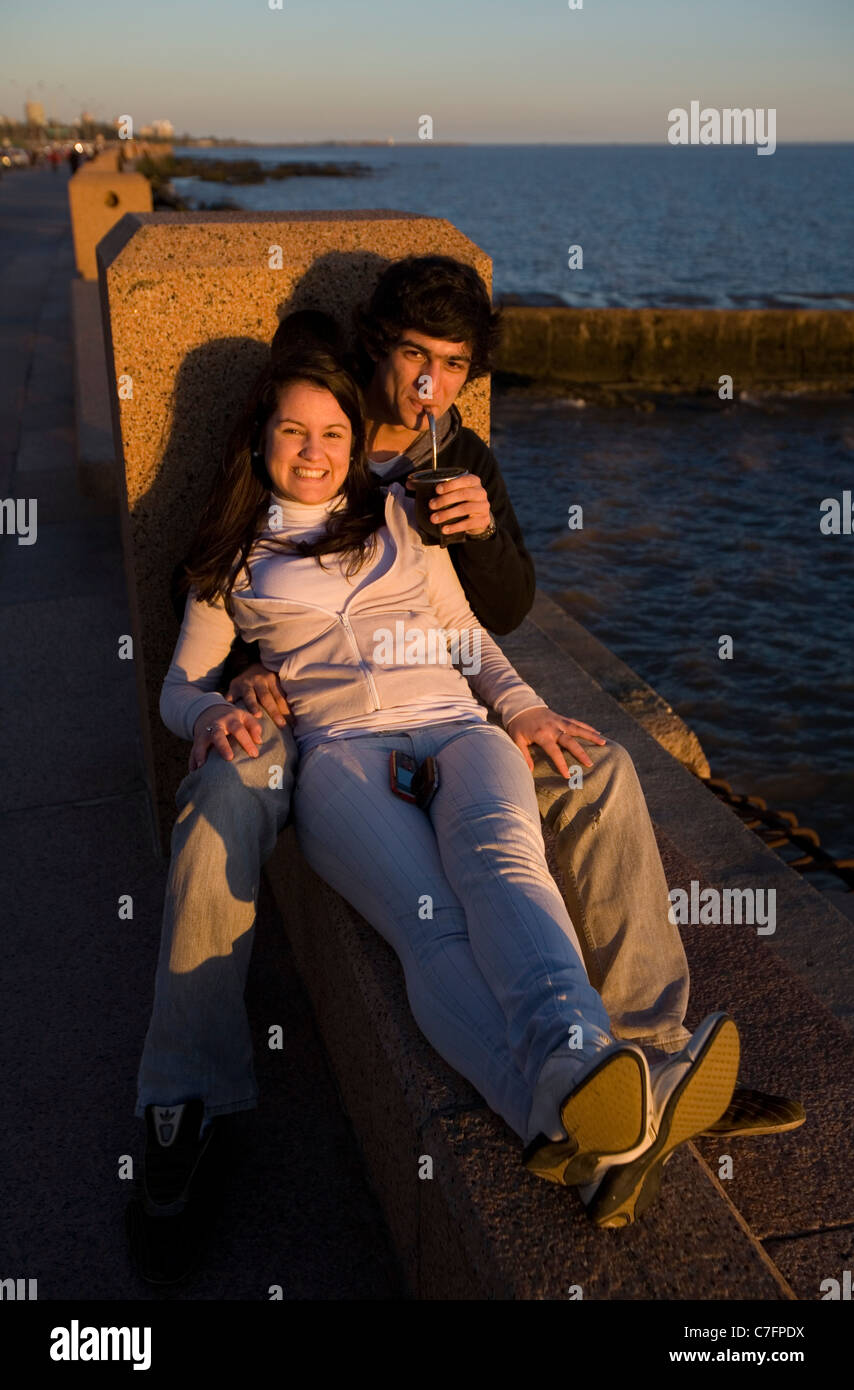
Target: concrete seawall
x=609, y=353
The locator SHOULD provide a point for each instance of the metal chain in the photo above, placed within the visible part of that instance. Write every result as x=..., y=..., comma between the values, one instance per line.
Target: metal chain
x=780, y=830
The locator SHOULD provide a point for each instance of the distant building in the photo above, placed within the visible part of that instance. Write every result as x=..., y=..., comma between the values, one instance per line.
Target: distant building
x=34, y=111
x=164, y=129
x=87, y=118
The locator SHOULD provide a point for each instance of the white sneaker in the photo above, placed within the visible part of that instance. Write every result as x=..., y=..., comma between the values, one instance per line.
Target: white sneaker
x=689, y=1092
x=605, y=1114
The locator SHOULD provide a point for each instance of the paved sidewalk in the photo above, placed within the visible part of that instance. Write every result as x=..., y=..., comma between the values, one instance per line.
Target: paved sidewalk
x=76, y=837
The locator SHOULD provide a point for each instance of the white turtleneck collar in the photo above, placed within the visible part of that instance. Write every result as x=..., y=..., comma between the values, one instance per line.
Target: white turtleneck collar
x=298, y=517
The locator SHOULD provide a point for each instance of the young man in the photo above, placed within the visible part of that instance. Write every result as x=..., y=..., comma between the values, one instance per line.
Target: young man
x=429, y=328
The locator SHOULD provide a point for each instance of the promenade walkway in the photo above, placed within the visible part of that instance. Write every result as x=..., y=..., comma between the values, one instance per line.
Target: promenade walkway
x=75, y=838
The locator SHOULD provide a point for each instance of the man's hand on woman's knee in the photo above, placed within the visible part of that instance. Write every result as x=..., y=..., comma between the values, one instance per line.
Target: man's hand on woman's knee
x=259, y=689
x=215, y=726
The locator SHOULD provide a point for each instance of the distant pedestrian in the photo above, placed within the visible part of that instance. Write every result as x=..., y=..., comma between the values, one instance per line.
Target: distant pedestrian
x=54, y=160
x=74, y=159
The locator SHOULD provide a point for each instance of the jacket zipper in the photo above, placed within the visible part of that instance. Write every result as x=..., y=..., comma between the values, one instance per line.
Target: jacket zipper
x=345, y=621
x=373, y=689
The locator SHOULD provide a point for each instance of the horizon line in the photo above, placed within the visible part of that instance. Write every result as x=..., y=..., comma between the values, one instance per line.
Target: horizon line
x=331, y=140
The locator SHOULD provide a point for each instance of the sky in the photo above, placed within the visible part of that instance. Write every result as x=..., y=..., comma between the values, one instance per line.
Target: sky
x=493, y=71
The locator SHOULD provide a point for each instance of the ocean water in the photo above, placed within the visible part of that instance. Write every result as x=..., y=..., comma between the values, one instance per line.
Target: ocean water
x=710, y=225
x=699, y=522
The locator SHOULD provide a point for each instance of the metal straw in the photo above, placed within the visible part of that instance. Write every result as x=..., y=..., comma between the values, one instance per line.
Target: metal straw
x=432, y=424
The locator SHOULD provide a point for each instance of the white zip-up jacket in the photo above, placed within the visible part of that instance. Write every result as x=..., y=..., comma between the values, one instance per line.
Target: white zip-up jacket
x=371, y=652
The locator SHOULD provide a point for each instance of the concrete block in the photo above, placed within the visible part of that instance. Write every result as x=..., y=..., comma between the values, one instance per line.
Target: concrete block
x=96, y=453
x=98, y=199
x=105, y=162
x=191, y=304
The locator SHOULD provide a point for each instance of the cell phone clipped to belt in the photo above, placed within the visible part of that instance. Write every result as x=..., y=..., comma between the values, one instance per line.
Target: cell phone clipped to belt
x=411, y=782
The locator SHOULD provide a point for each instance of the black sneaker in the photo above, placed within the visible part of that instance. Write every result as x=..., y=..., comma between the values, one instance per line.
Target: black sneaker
x=755, y=1112
x=166, y=1223
x=174, y=1148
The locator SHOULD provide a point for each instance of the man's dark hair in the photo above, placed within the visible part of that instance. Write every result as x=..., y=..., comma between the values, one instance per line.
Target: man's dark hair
x=440, y=297
x=308, y=330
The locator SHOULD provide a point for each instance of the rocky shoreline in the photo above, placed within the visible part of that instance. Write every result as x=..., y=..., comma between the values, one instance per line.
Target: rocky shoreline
x=232, y=173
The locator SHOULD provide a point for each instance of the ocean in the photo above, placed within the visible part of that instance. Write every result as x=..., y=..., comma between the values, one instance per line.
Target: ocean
x=703, y=522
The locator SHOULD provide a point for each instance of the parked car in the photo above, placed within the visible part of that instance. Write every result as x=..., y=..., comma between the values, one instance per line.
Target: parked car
x=13, y=158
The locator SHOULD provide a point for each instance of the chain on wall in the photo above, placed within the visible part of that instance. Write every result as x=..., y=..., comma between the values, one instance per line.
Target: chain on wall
x=780, y=831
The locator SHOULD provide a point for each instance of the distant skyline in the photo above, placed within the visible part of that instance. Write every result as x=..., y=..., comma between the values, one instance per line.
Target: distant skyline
x=485, y=72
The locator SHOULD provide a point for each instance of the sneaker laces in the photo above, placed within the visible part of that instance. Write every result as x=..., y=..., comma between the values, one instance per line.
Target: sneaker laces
x=171, y=1160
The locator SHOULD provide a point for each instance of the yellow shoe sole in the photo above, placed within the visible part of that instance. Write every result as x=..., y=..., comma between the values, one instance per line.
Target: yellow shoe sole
x=700, y=1099
x=606, y=1114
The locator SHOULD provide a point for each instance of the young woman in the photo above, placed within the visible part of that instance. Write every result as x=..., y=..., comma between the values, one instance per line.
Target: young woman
x=301, y=551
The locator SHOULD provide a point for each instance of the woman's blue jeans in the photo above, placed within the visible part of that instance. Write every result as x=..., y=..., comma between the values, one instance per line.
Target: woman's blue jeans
x=494, y=969
x=463, y=894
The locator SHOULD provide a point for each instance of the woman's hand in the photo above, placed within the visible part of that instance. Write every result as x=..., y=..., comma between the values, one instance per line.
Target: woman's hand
x=259, y=689
x=223, y=721
x=552, y=732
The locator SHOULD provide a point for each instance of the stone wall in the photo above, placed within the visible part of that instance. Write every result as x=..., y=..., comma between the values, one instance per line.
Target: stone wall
x=624, y=351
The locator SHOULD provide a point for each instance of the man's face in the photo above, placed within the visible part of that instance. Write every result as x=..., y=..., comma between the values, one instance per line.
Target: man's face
x=418, y=372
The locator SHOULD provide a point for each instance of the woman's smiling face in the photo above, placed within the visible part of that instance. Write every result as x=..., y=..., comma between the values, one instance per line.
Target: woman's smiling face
x=308, y=442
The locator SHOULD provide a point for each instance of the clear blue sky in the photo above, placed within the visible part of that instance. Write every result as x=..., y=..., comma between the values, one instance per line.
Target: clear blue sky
x=485, y=70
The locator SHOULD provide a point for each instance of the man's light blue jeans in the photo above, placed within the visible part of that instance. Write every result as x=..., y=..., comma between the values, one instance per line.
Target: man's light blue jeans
x=493, y=961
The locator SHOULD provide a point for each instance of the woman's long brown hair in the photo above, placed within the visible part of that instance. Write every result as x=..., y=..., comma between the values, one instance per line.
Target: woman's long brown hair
x=237, y=510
